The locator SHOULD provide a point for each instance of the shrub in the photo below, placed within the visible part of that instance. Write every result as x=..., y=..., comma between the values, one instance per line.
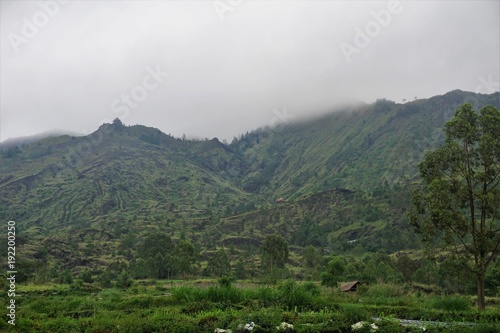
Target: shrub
x=312, y=288
x=351, y=314
x=267, y=296
x=450, y=303
x=267, y=318
x=61, y=324
x=225, y=281
x=292, y=295
x=186, y=294
x=224, y=294
x=389, y=326
x=135, y=303
x=196, y=307
x=486, y=328
x=382, y=290
x=123, y=281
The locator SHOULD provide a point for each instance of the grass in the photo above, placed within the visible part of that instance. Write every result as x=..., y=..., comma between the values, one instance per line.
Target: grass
x=189, y=308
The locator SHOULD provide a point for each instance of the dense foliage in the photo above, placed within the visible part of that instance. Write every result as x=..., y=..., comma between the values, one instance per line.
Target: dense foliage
x=322, y=200
x=168, y=306
x=460, y=202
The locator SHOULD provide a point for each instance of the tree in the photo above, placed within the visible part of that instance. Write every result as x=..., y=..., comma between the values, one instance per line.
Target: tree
x=239, y=270
x=406, y=266
x=274, y=252
x=151, y=270
x=333, y=272
x=185, y=257
x=66, y=277
x=161, y=266
x=219, y=265
x=139, y=269
x=311, y=260
x=104, y=279
x=123, y=281
x=86, y=276
x=458, y=204
x=158, y=242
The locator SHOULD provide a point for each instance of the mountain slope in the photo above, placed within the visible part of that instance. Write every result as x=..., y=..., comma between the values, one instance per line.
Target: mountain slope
x=344, y=178
x=359, y=148
x=111, y=175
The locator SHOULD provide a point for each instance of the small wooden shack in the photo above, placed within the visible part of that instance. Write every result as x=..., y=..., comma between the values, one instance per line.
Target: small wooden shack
x=350, y=286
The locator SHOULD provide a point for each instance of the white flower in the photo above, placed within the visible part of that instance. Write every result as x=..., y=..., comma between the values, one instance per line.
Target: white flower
x=283, y=326
x=358, y=325
x=361, y=324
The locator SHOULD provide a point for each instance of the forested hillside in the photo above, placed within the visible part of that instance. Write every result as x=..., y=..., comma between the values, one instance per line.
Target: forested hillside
x=340, y=183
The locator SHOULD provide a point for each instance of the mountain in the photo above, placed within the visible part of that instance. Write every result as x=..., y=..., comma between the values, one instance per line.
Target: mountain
x=359, y=148
x=341, y=179
x=113, y=174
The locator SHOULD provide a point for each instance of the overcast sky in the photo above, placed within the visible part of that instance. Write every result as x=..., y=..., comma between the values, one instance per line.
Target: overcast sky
x=221, y=68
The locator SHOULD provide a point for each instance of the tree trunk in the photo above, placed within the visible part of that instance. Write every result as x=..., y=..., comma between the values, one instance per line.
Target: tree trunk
x=480, y=291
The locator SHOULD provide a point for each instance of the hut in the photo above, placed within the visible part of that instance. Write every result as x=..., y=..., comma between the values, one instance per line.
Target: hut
x=350, y=286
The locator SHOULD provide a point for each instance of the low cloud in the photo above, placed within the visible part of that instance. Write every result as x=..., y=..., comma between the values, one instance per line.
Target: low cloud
x=226, y=76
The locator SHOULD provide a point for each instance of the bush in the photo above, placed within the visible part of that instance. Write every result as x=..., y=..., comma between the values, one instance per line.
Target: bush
x=196, y=307
x=312, y=288
x=86, y=276
x=114, y=296
x=382, y=290
x=123, y=281
x=485, y=328
x=225, y=281
x=135, y=303
x=224, y=294
x=388, y=326
x=450, y=303
x=267, y=296
x=267, y=318
x=186, y=294
x=351, y=314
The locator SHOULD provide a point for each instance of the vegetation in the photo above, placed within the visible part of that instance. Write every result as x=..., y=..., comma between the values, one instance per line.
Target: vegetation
x=460, y=202
x=167, y=306
x=274, y=253
x=114, y=229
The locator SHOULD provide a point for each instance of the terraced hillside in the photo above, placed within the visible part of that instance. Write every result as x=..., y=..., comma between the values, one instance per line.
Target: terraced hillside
x=343, y=180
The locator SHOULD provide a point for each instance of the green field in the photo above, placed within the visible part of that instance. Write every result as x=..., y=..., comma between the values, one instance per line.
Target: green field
x=204, y=305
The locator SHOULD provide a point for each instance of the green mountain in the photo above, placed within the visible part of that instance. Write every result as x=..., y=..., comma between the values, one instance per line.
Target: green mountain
x=341, y=179
x=358, y=148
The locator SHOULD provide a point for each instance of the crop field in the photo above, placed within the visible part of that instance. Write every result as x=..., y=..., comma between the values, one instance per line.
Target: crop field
x=203, y=306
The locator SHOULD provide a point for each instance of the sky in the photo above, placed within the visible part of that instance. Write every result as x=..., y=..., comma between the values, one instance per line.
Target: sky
x=221, y=68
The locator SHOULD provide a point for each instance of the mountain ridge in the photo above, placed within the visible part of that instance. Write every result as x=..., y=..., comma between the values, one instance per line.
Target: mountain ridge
x=343, y=177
